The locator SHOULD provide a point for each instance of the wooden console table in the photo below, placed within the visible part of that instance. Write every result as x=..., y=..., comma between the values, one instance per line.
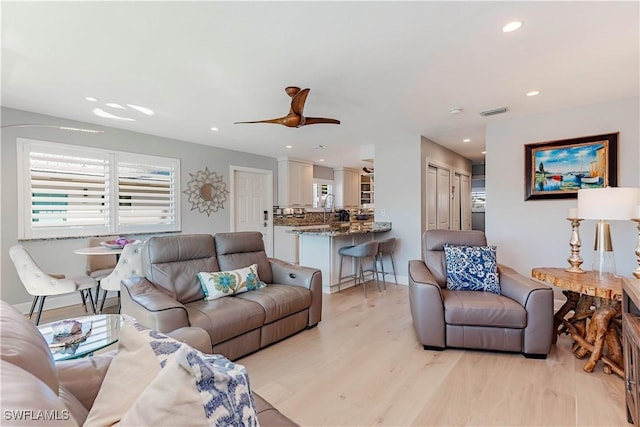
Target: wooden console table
x=599, y=301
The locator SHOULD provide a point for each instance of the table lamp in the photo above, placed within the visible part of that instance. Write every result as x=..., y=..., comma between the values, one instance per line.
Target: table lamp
x=606, y=204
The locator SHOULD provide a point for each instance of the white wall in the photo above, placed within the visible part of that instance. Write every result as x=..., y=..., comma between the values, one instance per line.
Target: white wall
x=535, y=233
x=398, y=194
x=56, y=256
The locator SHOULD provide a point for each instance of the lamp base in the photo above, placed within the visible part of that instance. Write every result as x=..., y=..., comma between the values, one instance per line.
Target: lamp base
x=604, y=264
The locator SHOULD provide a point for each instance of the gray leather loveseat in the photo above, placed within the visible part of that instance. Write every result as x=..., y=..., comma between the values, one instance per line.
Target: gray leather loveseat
x=170, y=297
x=520, y=319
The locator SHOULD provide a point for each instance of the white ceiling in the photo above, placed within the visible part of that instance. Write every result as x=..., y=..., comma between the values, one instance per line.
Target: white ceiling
x=387, y=70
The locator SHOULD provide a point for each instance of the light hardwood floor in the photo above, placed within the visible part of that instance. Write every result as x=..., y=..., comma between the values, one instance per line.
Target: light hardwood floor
x=362, y=366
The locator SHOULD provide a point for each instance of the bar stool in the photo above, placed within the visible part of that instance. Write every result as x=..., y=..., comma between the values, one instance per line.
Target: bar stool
x=359, y=253
x=387, y=247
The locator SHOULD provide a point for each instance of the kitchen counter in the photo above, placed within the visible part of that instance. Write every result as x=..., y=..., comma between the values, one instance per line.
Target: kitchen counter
x=345, y=229
x=318, y=248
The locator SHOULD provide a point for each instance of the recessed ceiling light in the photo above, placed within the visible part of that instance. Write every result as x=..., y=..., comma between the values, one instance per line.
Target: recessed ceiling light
x=143, y=110
x=101, y=113
x=512, y=26
x=114, y=105
x=288, y=146
x=484, y=152
x=215, y=129
x=466, y=140
x=91, y=98
x=321, y=160
x=533, y=93
x=456, y=110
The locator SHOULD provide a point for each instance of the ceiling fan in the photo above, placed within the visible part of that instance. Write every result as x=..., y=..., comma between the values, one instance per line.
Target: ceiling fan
x=295, y=119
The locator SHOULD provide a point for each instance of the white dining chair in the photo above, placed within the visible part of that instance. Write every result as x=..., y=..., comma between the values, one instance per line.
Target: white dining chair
x=129, y=265
x=41, y=285
x=100, y=266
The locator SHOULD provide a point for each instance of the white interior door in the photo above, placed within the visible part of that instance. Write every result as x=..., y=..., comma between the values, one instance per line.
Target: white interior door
x=432, y=198
x=253, y=203
x=465, y=201
x=455, y=203
x=444, y=197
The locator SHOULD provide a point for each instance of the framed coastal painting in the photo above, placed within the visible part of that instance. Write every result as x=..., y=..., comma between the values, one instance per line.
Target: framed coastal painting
x=558, y=169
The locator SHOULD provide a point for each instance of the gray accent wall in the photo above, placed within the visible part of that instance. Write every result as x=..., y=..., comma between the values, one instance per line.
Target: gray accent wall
x=56, y=256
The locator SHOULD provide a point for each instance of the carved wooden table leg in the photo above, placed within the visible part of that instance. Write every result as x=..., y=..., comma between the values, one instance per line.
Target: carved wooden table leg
x=569, y=305
x=598, y=328
x=579, y=320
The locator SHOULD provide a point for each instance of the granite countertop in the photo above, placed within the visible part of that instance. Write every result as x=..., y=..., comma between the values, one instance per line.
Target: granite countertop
x=342, y=230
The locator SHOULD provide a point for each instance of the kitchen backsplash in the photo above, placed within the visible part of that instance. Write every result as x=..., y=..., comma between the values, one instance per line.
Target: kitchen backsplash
x=299, y=216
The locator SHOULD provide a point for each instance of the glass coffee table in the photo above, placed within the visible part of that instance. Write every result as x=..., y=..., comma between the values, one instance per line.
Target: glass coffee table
x=97, y=332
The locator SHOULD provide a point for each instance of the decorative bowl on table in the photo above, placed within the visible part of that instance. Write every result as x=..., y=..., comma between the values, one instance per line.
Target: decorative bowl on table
x=69, y=332
x=118, y=243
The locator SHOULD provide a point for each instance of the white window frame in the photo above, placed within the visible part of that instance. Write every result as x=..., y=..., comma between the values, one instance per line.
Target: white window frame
x=111, y=192
x=315, y=199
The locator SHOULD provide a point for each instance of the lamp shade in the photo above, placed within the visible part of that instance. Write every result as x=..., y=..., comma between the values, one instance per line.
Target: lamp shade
x=610, y=203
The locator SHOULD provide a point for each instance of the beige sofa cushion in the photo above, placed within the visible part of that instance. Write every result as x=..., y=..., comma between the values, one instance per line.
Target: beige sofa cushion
x=279, y=301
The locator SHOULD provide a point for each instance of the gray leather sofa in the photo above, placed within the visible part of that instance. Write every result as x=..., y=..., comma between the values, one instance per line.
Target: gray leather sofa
x=518, y=320
x=38, y=391
x=170, y=296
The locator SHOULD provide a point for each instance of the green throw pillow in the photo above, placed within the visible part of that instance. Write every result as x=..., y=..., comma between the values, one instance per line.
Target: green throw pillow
x=224, y=283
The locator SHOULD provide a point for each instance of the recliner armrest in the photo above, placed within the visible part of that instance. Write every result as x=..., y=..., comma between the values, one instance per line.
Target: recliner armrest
x=295, y=275
x=426, y=304
x=516, y=286
x=537, y=300
x=152, y=307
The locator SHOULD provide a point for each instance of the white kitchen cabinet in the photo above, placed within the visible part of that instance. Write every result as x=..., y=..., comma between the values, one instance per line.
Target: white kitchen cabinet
x=295, y=183
x=346, y=187
x=285, y=244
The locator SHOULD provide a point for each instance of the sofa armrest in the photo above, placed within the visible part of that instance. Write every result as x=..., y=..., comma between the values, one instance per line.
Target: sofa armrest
x=426, y=304
x=537, y=299
x=83, y=377
x=295, y=275
x=193, y=336
x=151, y=307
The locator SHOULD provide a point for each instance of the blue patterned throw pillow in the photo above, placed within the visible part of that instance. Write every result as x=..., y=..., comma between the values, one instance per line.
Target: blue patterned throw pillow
x=223, y=283
x=472, y=268
x=223, y=387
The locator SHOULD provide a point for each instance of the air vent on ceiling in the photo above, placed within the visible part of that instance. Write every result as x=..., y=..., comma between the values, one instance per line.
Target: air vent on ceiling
x=494, y=111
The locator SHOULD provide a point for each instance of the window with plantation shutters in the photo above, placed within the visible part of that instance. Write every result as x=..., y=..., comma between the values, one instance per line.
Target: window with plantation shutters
x=146, y=193
x=67, y=191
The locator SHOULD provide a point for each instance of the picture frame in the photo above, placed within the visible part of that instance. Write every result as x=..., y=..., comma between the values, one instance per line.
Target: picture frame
x=558, y=169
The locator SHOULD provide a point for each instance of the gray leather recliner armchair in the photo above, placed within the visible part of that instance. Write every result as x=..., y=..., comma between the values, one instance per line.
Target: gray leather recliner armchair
x=518, y=320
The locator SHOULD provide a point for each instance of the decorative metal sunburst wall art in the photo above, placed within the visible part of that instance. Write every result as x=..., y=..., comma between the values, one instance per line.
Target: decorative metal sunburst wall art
x=206, y=191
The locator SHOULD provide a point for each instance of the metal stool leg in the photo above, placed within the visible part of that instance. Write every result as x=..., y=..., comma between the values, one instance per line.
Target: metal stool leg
x=384, y=275
x=393, y=264
x=340, y=274
x=364, y=285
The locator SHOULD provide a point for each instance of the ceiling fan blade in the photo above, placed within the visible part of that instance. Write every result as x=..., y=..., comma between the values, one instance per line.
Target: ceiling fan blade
x=290, y=120
x=320, y=120
x=297, y=102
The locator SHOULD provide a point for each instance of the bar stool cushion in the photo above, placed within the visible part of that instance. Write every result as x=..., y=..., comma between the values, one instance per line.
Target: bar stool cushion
x=360, y=251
